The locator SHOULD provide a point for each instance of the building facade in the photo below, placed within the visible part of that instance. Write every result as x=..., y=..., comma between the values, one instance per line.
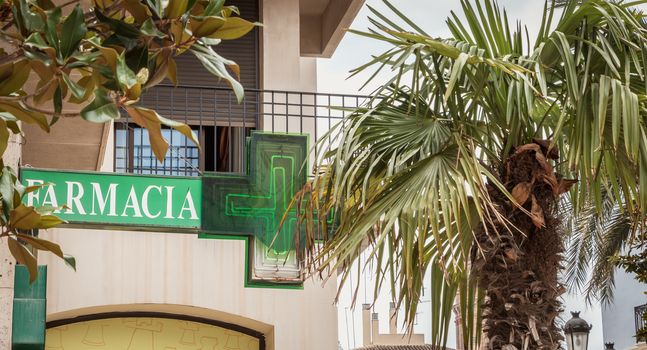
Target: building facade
x=148, y=276
x=623, y=316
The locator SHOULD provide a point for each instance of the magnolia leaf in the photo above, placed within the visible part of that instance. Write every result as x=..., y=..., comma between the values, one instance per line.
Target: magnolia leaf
x=73, y=30
x=184, y=129
x=48, y=209
x=24, y=218
x=102, y=109
x=70, y=261
x=42, y=244
x=175, y=8
x=23, y=256
x=36, y=42
x=205, y=26
x=137, y=58
x=51, y=32
x=77, y=90
x=45, y=72
x=159, y=69
x=57, y=100
x=46, y=90
x=32, y=20
x=142, y=76
x=171, y=72
x=121, y=29
x=140, y=12
x=87, y=84
x=217, y=65
x=148, y=28
x=16, y=79
x=234, y=28
x=45, y=245
x=4, y=136
x=21, y=112
x=49, y=221
x=11, y=124
x=521, y=192
x=46, y=4
x=125, y=76
x=33, y=188
x=110, y=55
x=209, y=42
x=7, y=182
x=213, y=8
x=149, y=120
x=6, y=70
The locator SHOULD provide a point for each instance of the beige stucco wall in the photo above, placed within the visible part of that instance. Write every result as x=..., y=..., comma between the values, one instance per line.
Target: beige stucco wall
x=283, y=67
x=143, y=271
x=120, y=268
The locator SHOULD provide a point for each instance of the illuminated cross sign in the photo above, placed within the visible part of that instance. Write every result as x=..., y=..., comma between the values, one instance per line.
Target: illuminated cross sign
x=213, y=205
x=255, y=203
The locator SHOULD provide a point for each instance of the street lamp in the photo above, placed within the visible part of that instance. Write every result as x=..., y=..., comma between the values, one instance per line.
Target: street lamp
x=577, y=333
x=609, y=346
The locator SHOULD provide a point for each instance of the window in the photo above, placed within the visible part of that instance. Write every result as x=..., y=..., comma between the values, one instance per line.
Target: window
x=221, y=149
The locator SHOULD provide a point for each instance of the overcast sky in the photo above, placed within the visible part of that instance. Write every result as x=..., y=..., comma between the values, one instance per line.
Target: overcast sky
x=354, y=51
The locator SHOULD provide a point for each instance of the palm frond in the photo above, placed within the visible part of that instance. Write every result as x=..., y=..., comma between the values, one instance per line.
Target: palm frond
x=406, y=176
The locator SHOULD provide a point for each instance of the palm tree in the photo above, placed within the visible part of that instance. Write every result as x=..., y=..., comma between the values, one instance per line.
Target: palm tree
x=458, y=164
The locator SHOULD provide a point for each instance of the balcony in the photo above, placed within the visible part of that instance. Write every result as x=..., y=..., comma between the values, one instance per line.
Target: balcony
x=222, y=125
x=640, y=322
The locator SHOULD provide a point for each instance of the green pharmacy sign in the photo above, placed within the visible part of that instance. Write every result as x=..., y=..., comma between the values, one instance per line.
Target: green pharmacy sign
x=139, y=202
x=217, y=205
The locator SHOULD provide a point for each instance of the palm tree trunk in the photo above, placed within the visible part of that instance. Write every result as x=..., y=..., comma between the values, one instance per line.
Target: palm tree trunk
x=519, y=251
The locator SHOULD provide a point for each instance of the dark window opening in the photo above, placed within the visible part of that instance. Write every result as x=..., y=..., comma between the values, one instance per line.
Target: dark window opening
x=221, y=149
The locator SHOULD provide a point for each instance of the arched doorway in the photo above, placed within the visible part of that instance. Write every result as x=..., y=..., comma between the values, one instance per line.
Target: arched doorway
x=148, y=330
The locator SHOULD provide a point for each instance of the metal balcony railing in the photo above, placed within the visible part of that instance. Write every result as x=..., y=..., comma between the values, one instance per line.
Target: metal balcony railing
x=639, y=313
x=221, y=124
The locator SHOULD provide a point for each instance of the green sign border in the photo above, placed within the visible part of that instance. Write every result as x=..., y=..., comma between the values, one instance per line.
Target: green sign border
x=125, y=226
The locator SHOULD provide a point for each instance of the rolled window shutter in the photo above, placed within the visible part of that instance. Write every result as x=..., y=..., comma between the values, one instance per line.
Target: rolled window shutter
x=206, y=106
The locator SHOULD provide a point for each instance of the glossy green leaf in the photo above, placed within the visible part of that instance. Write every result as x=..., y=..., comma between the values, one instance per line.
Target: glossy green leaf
x=21, y=112
x=24, y=218
x=125, y=76
x=175, y=8
x=232, y=28
x=16, y=79
x=73, y=30
x=102, y=108
x=217, y=65
x=42, y=244
x=23, y=256
x=149, y=28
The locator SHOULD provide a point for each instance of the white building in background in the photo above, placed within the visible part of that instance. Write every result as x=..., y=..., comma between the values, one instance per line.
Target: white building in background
x=622, y=317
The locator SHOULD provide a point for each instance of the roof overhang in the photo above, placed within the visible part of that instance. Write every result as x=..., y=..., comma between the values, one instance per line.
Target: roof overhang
x=323, y=24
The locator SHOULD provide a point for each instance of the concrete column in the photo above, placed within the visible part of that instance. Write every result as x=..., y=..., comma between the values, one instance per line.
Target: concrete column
x=11, y=158
x=375, y=327
x=366, y=324
x=393, y=319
